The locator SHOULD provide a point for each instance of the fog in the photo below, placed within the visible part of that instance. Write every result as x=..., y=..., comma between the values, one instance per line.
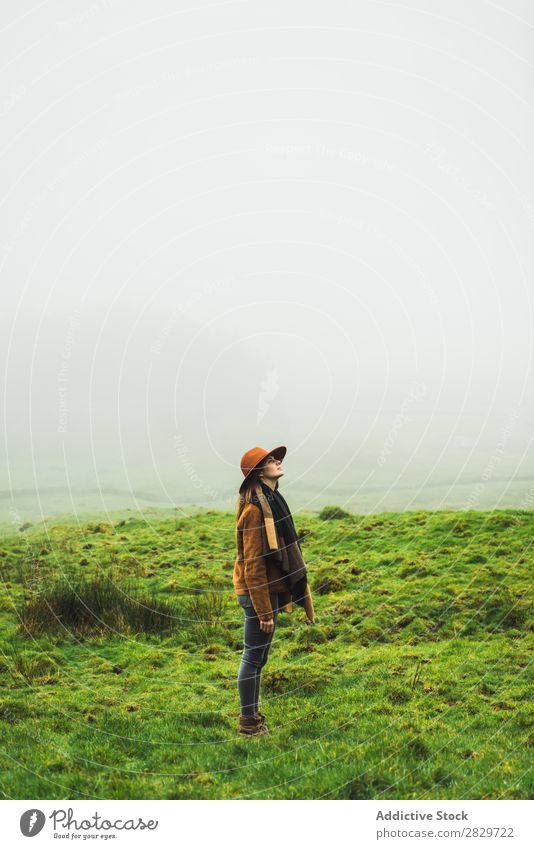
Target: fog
x=244, y=224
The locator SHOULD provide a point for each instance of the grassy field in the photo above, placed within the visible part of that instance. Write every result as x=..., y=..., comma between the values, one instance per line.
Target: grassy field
x=120, y=643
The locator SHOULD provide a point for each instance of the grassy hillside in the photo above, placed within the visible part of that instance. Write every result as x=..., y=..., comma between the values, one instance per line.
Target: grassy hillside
x=120, y=644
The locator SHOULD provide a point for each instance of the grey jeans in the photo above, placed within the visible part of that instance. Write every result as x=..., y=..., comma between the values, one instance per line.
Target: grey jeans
x=255, y=652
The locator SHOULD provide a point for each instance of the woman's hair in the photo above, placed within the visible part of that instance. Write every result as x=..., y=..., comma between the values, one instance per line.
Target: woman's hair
x=245, y=496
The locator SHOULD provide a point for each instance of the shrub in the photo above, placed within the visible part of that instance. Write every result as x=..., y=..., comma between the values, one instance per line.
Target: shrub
x=329, y=513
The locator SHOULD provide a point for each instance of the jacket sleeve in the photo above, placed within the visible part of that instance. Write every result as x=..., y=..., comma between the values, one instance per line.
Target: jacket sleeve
x=255, y=567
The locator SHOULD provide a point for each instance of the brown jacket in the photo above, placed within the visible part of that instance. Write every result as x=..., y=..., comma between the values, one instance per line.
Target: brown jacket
x=257, y=575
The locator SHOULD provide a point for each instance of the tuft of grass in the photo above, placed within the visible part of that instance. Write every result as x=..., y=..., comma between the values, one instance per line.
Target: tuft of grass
x=33, y=668
x=94, y=605
x=328, y=581
x=207, y=613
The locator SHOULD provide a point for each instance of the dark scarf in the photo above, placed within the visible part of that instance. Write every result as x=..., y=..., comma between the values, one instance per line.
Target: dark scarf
x=281, y=513
x=284, y=527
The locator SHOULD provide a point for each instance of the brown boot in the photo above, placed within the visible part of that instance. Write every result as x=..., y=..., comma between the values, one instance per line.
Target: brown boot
x=250, y=726
x=261, y=719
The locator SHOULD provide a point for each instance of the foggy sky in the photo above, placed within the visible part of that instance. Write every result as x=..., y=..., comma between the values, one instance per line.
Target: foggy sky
x=246, y=224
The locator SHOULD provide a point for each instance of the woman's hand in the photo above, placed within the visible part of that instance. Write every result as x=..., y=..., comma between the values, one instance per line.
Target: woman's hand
x=267, y=625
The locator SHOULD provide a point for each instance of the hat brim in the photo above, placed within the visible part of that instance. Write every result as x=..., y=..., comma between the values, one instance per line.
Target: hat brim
x=278, y=453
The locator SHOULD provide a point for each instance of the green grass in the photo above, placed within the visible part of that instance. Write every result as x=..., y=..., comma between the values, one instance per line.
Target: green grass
x=120, y=643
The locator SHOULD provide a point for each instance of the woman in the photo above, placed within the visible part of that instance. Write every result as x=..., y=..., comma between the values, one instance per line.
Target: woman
x=269, y=573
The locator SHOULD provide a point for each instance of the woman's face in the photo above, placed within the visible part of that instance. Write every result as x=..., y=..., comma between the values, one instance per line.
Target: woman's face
x=272, y=468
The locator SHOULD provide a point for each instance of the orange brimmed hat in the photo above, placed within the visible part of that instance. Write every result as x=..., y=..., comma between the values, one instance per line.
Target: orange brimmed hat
x=253, y=458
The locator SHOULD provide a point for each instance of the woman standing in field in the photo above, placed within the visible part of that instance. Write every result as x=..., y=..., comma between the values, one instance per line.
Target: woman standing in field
x=269, y=573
